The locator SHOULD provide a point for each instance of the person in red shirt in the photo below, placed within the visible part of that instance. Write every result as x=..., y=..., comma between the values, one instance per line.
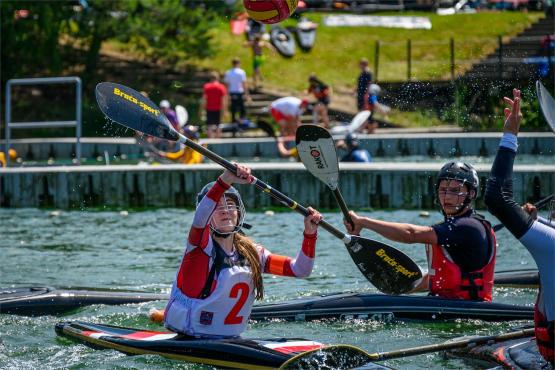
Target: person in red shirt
x=215, y=101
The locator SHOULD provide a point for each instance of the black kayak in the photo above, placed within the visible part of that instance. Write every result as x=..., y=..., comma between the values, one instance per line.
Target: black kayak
x=387, y=307
x=34, y=301
x=513, y=354
x=237, y=353
x=518, y=278
x=283, y=41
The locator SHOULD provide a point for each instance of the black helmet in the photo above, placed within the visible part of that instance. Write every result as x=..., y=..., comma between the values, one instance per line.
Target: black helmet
x=231, y=193
x=351, y=140
x=462, y=172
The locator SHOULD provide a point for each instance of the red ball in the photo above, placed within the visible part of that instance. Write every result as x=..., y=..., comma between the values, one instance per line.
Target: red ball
x=270, y=11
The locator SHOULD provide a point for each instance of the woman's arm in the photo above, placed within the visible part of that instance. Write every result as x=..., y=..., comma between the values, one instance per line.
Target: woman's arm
x=303, y=263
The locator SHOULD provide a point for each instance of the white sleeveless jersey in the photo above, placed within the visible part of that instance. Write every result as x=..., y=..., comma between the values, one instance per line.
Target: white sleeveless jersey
x=288, y=106
x=224, y=313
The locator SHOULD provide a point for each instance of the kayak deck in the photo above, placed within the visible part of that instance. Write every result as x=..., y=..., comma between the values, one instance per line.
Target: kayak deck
x=231, y=353
x=34, y=301
x=386, y=307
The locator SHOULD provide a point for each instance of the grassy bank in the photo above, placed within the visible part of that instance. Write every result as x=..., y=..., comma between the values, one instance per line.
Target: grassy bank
x=337, y=50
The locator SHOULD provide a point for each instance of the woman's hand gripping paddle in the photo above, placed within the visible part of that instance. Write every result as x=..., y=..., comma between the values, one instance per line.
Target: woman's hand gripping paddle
x=547, y=104
x=386, y=268
x=316, y=149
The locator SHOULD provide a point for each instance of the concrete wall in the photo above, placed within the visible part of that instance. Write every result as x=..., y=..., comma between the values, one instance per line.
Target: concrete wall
x=379, y=145
x=377, y=185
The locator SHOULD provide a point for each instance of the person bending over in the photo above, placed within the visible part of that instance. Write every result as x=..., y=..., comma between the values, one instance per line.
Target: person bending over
x=287, y=113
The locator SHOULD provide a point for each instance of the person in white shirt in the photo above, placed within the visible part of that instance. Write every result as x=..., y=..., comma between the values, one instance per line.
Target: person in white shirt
x=287, y=113
x=236, y=81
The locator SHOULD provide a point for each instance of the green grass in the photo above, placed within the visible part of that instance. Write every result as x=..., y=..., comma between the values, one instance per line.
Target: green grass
x=337, y=51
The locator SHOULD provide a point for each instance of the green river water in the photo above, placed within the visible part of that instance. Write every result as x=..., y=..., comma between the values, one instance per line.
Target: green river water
x=142, y=250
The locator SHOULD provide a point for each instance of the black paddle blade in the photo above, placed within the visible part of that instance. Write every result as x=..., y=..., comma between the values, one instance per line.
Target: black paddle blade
x=331, y=357
x=547, y=104
x=316, y=149
x=388, y=269
x=133, y=110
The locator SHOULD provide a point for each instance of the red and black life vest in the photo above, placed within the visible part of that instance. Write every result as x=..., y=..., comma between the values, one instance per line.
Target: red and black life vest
x=448, y=281
x=545, y=334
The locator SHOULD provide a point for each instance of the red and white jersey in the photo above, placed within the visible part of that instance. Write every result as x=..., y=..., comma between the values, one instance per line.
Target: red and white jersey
x=288, y=106
x=224, y=313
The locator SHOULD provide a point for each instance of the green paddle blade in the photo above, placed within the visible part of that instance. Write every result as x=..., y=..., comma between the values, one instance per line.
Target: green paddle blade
x=387, y=268
x=547, y=104
x=332, y=357
x=133, y=110
x=316, y=149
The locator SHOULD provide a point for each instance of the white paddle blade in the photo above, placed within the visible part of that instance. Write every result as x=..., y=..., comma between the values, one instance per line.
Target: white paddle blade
x=182, y=115
x=356, y=123
x=547, y=104
x=359, y=120
x=316, y=149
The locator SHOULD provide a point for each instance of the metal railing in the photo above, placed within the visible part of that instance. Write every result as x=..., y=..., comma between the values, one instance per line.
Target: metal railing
x=22, y=125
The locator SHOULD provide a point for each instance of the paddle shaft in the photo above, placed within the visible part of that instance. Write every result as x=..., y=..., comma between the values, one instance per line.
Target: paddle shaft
x=539, y=204
x=344, y=209
x=451, y=345
x=284, y=199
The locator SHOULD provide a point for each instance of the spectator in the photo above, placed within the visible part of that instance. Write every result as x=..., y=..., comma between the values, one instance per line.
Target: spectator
x=364, y=80
x=254, y=28
x=257, y=45
x=374, y=106
x=236, y=81
x=354, y=152
x=286, y=147
x=12, y=154
x=287, y=113
x=165, y=107
x=322, y=93
x=185, y=154
x=214, y=103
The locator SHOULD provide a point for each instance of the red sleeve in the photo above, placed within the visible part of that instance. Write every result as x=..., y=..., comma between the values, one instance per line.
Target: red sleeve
x=309, y=244
x=198, y=235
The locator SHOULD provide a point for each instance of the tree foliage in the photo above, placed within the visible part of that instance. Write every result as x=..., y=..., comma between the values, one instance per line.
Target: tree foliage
x=169, y=30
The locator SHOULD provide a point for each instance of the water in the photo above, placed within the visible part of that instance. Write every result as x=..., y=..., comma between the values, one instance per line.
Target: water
x=142, y=251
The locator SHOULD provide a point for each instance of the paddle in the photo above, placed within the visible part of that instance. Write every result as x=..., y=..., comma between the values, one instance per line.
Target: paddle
x=356, y=123
x=316, y=149
x=388, y=269
x=379, y=356
x=359, y=355
x=539, y=205
x=547, y=104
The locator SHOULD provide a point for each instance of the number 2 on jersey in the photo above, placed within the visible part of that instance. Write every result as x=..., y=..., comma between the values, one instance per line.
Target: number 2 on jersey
x=241, y=290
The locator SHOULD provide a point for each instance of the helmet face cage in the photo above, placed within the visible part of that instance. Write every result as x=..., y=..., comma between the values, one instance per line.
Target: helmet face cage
x=465, y=174
x=231, y=194
x=238, y=206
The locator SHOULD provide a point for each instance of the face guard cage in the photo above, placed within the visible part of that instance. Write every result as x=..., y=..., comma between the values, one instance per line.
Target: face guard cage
x=231, y=204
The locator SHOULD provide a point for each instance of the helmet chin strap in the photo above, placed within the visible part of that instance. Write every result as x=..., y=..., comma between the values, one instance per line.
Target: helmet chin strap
x=223, y=235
